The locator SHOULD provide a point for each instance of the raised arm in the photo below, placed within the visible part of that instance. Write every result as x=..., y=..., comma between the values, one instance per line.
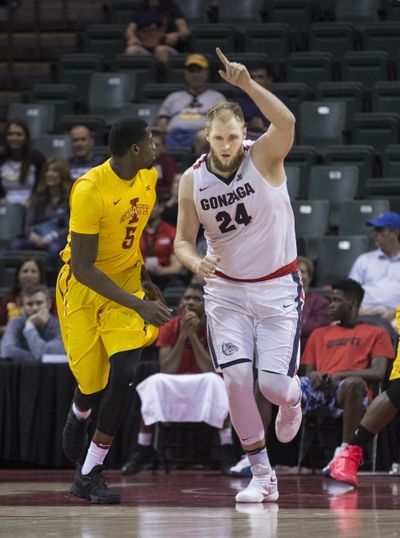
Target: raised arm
x=272, y=147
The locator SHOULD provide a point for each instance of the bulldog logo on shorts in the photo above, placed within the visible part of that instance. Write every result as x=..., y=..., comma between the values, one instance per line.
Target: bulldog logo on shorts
x=229, y=348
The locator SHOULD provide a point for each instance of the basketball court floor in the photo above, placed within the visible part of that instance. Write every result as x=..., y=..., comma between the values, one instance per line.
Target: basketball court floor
x=197, y=504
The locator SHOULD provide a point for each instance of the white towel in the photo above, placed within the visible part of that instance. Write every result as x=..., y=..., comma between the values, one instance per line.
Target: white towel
x=184, y=398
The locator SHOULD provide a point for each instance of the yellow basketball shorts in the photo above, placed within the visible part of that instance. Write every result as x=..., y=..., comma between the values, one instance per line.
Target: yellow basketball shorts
x=395, y=373
x=94, y=328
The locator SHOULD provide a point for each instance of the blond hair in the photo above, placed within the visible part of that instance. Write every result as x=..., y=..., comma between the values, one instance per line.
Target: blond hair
x=224, y=111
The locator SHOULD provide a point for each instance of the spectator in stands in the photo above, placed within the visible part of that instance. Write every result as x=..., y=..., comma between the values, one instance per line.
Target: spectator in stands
x=158, y=27
x=170, y=206
x=343, y=359
x=82, y=144
x=48, y=215
x=263, y=73
x=166, y=167
x=182, y=115
x=176, y=398
x=20, y=164
x=378, y=271
x=29, y=272
x=34, y=333
x=315, y=310
x=157, y=249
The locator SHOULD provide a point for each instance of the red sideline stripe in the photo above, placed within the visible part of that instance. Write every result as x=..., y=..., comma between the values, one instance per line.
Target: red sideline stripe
x=285, y=270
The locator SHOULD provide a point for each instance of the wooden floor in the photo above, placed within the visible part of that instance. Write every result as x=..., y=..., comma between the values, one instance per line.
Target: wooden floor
x=197, y=504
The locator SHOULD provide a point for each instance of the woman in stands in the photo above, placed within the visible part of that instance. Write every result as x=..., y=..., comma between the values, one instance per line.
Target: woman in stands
x=20, y=164
x=48, y=214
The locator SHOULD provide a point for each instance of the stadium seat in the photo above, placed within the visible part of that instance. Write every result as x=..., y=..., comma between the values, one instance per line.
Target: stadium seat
x=358, y=13
x=194, y=11
x=377, y=129
x=296, y=13
x=228, y=90
x=334, y=37
x=293, y=181
x=336, y=255
x=311, y=219
x=9, y=261
x=144, y=68
x=335, y=184
x=386, y=97
x=156, y=93
x=205, y=37
x=322, y=123
x=382, y=36
x=147, y=111
x=102, y=151
x=38, y=117
x=366, y=67
x=239, y=14
x=391, y=161
x=77, y=69
x=12, y=218
x=352, y=93
x=303, y=157
x=123, y=11
x=109, y=93
x=391, y=9
x=62, y=96
x=295, y=92
x=54, y=145
x=311, y=68
x=96, y=124
x=354, y=214
x=361, y=156
x=105, y=39
x=273, y=39
x=387, y=188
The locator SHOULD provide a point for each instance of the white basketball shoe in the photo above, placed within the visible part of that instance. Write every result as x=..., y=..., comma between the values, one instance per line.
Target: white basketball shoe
x=288, y=420
x=263, y=487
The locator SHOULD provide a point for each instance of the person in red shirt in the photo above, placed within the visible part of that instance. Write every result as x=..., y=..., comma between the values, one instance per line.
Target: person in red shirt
x=165, y=165
x=157, y=247
x=183, y=350
x=343, y=359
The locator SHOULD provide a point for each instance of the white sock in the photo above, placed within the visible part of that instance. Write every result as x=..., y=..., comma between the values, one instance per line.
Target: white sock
x=145, y=438
x=260, y=458
x=95, y=456
x=225, y=436
x=80, y=415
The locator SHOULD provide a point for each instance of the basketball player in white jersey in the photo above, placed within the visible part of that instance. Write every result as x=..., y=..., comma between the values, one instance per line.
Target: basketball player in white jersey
x=254, y=294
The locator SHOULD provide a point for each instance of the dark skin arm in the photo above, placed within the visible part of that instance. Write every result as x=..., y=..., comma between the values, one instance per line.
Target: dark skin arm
x=84, y=250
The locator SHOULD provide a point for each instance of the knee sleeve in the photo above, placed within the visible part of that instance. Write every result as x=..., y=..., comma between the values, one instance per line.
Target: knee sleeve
x=121, y=383
x=279, y=389
x=393, y=393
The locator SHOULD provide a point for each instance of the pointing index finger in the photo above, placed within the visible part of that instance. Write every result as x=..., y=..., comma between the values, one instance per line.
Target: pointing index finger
x=222, y=56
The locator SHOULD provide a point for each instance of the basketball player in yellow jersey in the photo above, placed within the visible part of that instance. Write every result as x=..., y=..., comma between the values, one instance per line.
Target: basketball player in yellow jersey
x=105, y=321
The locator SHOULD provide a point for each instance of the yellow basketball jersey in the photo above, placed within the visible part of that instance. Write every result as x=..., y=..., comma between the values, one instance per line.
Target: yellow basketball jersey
x=115, y=209
x=395, y=373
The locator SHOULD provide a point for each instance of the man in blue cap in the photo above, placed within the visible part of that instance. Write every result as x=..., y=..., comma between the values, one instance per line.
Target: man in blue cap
x=378, y=271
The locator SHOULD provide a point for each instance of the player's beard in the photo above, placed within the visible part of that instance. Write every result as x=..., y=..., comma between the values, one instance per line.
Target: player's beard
x=230, y=167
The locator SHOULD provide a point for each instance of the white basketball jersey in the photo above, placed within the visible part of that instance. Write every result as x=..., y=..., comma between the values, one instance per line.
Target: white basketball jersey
x=248, y=222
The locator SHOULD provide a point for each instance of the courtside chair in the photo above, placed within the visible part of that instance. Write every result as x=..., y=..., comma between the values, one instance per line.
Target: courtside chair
x=336, y=255
x=354, y=215
x=38, y=116
x=335, y=184
x=322, y=123
x=362, y=156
